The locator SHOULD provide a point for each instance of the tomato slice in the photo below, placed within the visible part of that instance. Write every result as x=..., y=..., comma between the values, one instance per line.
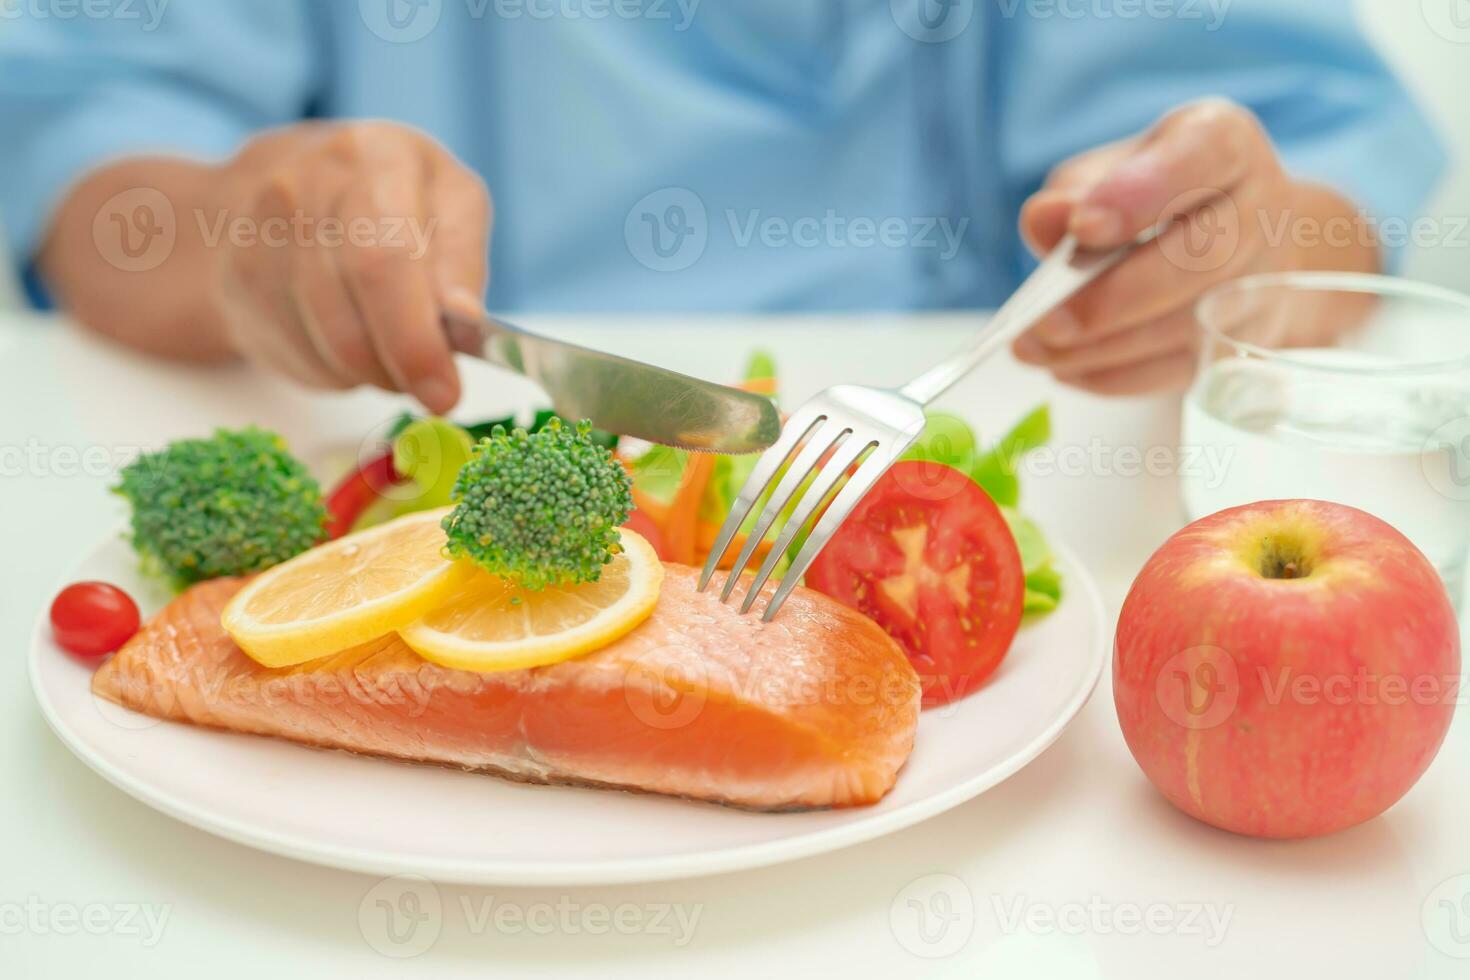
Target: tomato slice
x=931, y=559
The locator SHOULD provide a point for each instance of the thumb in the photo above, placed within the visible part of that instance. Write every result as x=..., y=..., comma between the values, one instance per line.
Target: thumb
x=1045, y=217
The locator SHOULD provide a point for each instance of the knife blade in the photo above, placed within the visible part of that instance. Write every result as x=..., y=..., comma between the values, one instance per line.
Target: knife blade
x=622, y=395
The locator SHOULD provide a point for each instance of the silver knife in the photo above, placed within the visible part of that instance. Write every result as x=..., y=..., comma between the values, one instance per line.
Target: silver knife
x=622, y=395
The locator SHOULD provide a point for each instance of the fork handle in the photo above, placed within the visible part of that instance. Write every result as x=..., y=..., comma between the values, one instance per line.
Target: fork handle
x=1057, y=279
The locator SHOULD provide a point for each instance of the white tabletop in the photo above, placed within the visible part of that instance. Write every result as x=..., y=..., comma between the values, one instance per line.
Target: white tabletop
x=1074, y=867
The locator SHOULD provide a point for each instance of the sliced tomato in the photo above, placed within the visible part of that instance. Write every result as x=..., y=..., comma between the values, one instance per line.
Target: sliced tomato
x=932, y=560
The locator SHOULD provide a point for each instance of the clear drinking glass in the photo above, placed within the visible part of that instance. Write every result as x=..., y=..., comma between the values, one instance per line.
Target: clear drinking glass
x=1378, y=419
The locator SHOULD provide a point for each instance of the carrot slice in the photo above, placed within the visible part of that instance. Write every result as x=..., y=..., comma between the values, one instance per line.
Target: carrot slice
x=657, y=510
x=681, y=525
x=705, y=535
x=758, y=386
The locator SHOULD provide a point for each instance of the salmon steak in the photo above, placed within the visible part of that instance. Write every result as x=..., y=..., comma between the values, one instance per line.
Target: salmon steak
x=815, y=709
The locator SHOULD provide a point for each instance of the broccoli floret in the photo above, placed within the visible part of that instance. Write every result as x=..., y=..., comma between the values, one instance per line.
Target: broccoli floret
x=232, y=504
x=540, y=509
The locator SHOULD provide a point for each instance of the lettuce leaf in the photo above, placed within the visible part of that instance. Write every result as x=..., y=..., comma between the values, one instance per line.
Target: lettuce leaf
x=995, y=470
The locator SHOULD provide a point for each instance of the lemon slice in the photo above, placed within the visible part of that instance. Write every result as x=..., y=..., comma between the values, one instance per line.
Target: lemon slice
x=345, y=592
x=490, y=625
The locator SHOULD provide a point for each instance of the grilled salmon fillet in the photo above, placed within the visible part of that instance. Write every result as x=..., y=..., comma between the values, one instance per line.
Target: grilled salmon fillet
x=815, y=709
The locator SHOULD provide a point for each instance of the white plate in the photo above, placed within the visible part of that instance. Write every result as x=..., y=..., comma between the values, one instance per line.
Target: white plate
x=383, y=817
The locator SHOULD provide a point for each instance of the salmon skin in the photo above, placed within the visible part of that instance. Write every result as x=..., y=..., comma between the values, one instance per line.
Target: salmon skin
x=816, y=709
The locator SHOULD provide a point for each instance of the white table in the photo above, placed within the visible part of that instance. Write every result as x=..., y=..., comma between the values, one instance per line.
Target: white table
x=1061, y=860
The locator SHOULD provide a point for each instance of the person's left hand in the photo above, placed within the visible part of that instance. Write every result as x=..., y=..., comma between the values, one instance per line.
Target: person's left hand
x=1211, y=167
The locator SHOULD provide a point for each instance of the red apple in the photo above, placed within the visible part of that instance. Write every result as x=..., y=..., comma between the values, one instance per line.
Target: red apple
x=1287, y=668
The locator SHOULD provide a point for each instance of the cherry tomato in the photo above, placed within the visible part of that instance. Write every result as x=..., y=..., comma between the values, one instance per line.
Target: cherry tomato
x=357, y=492
x=931, y=559
x=93, y=618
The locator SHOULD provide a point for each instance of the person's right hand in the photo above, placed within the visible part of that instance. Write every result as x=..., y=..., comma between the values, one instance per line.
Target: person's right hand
x=355, y=237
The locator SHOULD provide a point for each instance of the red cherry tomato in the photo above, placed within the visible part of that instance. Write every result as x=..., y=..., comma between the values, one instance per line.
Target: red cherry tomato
x=357, y=492
x=93, y=618
x=932, y=560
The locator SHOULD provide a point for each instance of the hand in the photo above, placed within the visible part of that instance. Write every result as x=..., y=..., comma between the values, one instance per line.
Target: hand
x=344, y=243
x=1212, y=169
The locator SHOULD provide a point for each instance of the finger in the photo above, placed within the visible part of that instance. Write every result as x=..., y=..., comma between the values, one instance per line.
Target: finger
x=324, y=304
x=462, y=212
x=466, y=309
x=263, y=324
x=462, y=207
x=1044, y=218
x=1059, y=328
x=1045, y=215
x=1172, y=333
x=393, y=289
x=1170, y=373
x=1081, y=172
x=1196, y=152
x=1214, y=244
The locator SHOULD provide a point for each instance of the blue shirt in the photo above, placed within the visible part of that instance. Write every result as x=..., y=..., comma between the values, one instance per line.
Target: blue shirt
x=687, y=155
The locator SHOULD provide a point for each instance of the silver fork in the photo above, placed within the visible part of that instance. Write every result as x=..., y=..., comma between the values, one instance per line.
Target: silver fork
x=875, y=425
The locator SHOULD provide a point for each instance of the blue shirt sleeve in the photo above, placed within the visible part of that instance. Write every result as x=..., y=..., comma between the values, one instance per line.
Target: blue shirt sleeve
x=190, y=79
x=1337, y=114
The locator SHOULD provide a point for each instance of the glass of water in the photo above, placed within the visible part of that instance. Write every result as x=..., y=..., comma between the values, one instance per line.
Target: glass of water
x=1377, y=416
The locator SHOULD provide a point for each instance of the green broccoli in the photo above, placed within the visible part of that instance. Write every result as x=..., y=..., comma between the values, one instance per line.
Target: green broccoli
x=540, y=509
x=232, y=504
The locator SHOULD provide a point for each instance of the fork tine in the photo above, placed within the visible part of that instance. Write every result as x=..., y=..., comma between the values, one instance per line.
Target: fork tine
x=833, y=471
x=821, y=439
x=802, y=421
x=847, y=498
